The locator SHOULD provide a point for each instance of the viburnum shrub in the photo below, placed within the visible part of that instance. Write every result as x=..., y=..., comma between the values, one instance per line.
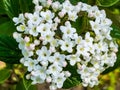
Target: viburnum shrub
x=50, y=42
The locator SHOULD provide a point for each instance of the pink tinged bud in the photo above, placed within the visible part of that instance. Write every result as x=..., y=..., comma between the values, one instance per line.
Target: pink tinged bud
x=115, y=50
x=61, y=14
x=32, y=46
x=26, y=39
x=49, y=2
x=57, y=20
x=44, y=63
x=91, y=15
x=15, y=35
x=36, y=42
x=52, y=49
x=38, y=8
x=41, y=38
x=28, y=76
x=26, y=15
x=67, y=74
x=79, y=66
x=48, y=79
x=64, y=64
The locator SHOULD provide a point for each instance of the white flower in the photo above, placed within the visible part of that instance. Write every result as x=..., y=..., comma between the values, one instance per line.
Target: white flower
x=34, y=18
x=35, y=2
x=21, y=28
x=37, y=80
x=73, y=59
x=66, y=45
x=113, y=46
x=85, y=7
x=58, y=59
x=43, y=54
x=21, y=44
x=44, y=28
x=56, y=6
x=48, y=16
x=41, y=72
x=72, y=15
x=33, y=31
x=49, y=41
x=96, y=26
x=53, y=86
x=67, y=31
x=57, y=20
x=48, y=38
x=30, y=64
x=88, y=39
x=101, y=46
x=106, y=22
x=17, y=36
x=77, y=8
x=78, y=40
x=19, y=19
x=82, y=49
x=54, y=69
x=59, y=80
x=29, y=46
x=54, y=42
x=67, y=6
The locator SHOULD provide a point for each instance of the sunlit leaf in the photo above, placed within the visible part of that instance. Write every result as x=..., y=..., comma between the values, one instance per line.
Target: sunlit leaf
x=4, y=75
x=107, y=3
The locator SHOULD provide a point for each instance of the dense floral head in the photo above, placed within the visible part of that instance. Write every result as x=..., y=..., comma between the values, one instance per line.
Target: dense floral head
x=50, y=42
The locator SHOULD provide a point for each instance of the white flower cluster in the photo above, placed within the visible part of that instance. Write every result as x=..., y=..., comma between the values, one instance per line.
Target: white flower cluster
x=49, y=42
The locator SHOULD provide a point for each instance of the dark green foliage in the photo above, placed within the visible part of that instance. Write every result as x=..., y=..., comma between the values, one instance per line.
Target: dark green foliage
x=74, y=79
x=9, y=51
x=115, y=33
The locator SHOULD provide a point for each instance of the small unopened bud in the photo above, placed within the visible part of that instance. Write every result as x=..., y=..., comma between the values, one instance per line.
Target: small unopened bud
x=41, y=38
x=64, y=64
x=67, y=74
x=36, y=42
x=26, y=39
x=28, y=76
x=61, y=14
x=48, y=79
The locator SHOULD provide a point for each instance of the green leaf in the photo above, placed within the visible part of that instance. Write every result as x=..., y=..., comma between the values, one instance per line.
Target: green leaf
x=116, y=65
x=4, y=75
x=7, y=28
x=81, y=24
x=107, y=3
x=71, y=82
x=11, y=7
x=25, y=85
x=115, y=33
x=2, y=10
x=74, y=79
x=9, y=51
x=26, y=6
